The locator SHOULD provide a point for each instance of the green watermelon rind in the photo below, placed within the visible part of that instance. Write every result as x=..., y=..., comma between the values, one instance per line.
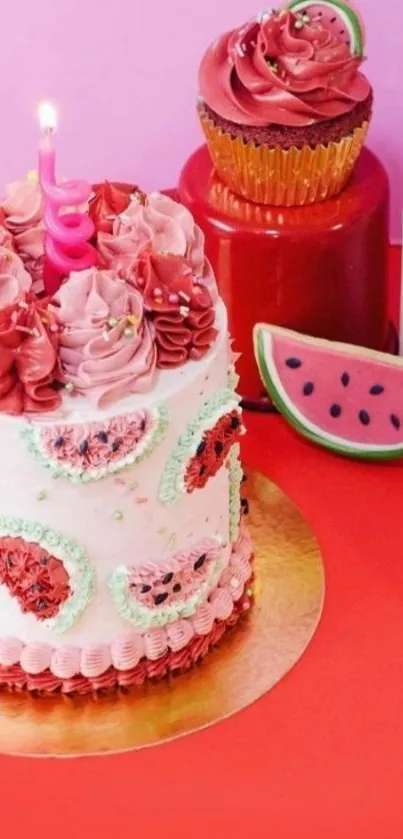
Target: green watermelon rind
x=271, y=380
x=346, y=13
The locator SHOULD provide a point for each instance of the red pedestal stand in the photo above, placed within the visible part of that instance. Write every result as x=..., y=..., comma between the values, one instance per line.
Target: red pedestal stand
x=319, y=269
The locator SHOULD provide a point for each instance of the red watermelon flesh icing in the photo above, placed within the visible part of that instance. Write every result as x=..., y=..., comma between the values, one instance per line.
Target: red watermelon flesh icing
x=359, y=398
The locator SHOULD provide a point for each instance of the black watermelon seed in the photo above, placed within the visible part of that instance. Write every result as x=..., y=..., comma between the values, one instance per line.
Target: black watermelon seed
x=202, y=470
x=364, y=417
x=59, y=442
x=168, y=578
x=245, y=506
x=375, y=390
x=142, y=425
x=43, y=604
x=345, y=379
x=83, y=447
x=102, y=436
x=36, y=587
x=335, y=410
x=244, y=478
x=44, y=560
x=395, y=421
x=177, y=587
x=218, y=447
x=145, y=588
x=308, y=388
x=116, y=445
x=159, y=598
x=200, y=448
x=293, y=363
x=199, y=562
x=9, y=562
x=235, y=422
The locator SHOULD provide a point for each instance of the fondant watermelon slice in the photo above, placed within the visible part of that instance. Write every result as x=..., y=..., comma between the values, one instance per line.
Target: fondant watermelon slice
x=340, y=18
x=346, y=398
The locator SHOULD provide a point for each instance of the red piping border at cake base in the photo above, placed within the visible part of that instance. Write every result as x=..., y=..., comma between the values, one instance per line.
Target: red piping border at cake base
x=14, y=678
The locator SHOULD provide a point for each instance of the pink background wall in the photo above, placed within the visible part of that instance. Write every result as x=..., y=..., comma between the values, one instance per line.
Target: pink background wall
x=123, y=75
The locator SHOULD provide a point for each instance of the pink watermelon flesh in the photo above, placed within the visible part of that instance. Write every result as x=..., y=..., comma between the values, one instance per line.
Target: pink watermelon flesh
x=356, y=398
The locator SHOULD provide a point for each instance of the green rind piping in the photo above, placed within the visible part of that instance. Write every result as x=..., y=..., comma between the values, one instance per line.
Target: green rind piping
x=171, y=485
x=343, y=9
x=73, y=557
x=285, y=410
x=30, y=435
x=235, y=478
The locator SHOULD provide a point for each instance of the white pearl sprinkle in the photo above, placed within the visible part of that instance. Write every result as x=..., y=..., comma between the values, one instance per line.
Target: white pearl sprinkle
x=234, y=582
x=69, y=387
x=118, y=515
x=184, y=311
x=249, y=592
x=41, y=495
x=112, y=322
x=128, y=333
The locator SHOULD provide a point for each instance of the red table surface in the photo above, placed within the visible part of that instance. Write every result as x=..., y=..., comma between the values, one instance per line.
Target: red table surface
x=321, y=755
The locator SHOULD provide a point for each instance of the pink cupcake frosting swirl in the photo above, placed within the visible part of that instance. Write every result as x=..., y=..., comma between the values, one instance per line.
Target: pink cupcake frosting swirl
x=159, y=225
x=14, y=279
x=272, y=71
x=23, y=210
x=107, y=349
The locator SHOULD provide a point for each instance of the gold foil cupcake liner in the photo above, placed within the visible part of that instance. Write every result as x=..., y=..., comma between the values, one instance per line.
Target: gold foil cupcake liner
x=283, y=178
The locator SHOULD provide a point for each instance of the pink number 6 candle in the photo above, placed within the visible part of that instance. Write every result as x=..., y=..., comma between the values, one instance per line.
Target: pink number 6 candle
x=66, y=236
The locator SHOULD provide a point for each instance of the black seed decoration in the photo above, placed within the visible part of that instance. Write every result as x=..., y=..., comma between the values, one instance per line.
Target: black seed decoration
x=36, y=587
x=145, y=588
x=159, y=598
x=335, y=410
x=83, y=447
x=142, y=425
x=44, y=560
x=293, y=363
x=102, y=436
x=116, y=445
x=245, y=506
x=364, y=417
x=9, y=561
x=395, y=421
x=308, y=388
x=345, y=379
x=168, y=578
x=244, y=478
x=202, y=470
x=218, y=447
x=235, y=422
x=200, y=448
x=59, y=442
x=375, y=390
x=199, y=562
x=177, y=587
x=43, y=604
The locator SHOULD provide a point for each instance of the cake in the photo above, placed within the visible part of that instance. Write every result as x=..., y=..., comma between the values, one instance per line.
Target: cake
x=123, y=556
x=284, y=106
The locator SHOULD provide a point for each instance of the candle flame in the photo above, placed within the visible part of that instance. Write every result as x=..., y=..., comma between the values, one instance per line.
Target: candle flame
x=47, y=117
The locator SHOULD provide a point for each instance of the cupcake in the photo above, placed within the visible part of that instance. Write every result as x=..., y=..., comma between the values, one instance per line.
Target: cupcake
x=284, y=106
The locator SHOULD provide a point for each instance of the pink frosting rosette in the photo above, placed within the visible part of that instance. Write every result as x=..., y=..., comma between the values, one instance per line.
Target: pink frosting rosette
x=14, y=279
x=23, y=210
x=159, y=225
x=107, y=349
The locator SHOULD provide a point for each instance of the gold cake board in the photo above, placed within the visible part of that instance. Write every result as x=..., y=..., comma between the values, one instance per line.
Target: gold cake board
x=250, y=659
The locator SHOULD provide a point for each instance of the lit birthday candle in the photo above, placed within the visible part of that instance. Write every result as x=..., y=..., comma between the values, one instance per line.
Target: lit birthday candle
x=66, y=236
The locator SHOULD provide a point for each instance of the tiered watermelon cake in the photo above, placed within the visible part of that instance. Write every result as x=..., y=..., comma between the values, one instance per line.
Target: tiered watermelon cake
x=122, y=553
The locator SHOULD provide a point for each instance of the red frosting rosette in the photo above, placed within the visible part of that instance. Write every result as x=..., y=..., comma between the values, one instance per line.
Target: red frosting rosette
x=109, y=201
x=29, y=366
x=180, y=308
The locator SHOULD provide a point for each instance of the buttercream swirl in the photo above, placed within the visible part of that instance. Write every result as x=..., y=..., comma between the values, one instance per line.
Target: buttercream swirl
x=181, y=309
x=108, y=201
x=158, y=225
x=13, y=277
x=272, y=71
x=29, y=365
x=106, y=345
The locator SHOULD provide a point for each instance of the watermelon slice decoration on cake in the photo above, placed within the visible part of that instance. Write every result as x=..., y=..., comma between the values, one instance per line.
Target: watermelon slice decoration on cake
x=345, y=398
x=340, y=18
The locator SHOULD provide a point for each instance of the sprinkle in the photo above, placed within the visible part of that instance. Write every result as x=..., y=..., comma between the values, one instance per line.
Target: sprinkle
x=133, y=319
x=184, y=311
x=249, y=592
x=184, y=296
x=159, y=300
x=173, y=298
x=299, y=24
x=134, y=485
x=234, y=582
x=69, y=387
x=157, y=292
x=112, y=322
x=54, y=327
x=239, y=50
x=105, y=336
x=41, y=495
x=22, y=304
x=118, y=515
x=128, y=333
x=172, y=540
x=141, y=500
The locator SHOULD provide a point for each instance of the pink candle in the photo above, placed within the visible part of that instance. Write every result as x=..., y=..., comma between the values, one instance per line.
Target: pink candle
x=66, y=238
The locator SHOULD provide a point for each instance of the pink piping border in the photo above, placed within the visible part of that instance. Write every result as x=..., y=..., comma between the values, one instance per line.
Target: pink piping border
x=124, y=654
